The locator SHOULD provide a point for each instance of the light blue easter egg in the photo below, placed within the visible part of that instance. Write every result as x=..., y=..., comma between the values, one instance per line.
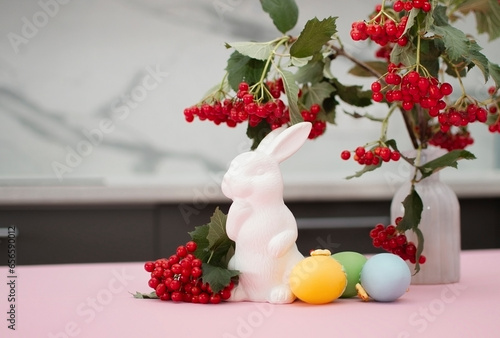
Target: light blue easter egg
x=385, y=277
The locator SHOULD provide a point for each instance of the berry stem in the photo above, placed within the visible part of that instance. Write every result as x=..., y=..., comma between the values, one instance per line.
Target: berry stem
x=219, y=90
x=210, y=257
x=408, y=125
x=417, y=62
x=279, y=42
x=385, y=123
x=341, y=51
x=382, y=14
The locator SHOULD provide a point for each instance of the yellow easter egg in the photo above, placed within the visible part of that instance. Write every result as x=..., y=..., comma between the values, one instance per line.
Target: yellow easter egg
x=318, y=279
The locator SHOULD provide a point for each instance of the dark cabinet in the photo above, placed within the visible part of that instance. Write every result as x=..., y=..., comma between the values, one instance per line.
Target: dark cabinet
x=113, y=233
x=80, y=234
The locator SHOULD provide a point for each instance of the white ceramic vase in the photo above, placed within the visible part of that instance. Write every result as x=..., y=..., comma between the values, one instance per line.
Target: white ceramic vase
x=440, y=225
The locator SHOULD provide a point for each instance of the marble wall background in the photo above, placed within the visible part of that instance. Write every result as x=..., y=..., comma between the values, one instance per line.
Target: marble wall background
x=92, y=92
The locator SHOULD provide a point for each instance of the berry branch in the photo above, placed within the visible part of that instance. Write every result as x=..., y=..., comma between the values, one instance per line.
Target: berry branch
x=418, y=49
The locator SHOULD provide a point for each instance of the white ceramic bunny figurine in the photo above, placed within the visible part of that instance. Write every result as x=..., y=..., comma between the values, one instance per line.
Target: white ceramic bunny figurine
x=261, y=225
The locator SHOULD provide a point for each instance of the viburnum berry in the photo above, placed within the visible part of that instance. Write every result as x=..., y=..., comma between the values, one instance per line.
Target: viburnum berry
x=377, y=96
x=196, y=272
x=243, y=86
x=312, y=115
x=181, y=251
x=409, y=88
x=215, y=298
x=451, y=140
x=372, y=156
x=244, y=107
x=178, y=278
x=413, y=77
x=422, y=259
x=153, y=282
x=225, y=294
x=204, y=298
x=391, y=240
x=376, y=86
x=382, y=29
x=426, y=7
x=446, y=89
x=345, y=155
x=398, y=6
x=191, y=246
x=149, y=266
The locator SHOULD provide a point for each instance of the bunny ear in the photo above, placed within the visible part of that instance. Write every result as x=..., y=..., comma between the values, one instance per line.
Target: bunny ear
x=283, y=142
x=269, y=138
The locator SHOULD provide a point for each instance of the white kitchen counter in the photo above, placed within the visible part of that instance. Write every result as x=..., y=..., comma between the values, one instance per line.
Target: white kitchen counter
x=109, y=80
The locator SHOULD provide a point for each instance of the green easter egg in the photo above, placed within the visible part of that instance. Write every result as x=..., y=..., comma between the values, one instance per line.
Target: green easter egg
x=353, y=263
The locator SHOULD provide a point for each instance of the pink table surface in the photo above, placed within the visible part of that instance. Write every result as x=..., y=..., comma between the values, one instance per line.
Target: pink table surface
x=95, y=300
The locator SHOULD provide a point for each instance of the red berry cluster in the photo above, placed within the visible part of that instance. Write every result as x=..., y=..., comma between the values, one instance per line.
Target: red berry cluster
x=411, y=89
x=384, y=52
x=452, y=141
x=401, y=5
x=178, y=278
x=246, y=107
x=460, y=117
x=494, y=126
x=389, y=239
x=381, y=30
x=243, y=108
x=311, y=115
x=372, y=157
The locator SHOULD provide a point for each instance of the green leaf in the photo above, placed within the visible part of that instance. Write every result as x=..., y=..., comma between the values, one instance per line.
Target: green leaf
x=212, y=242
x=292, y=93
x=299, y=62
x=413, y=207
x=458, y=46
x=420, y=247
x=311, y=72
x=316, y=93
x=487, y=13
x=429, y=56
x=392, y=143
x=199, y=235
x=447, y=160
x=329, y=106
x=217, y=228
x=455, y=41
x=459, y=66
x=258, y=132
x=495, y=73
x=312, y=38
x=366, y=168
x=151, y=295
x=353, y=95
x=365, y=115
x=241, y=67
x=488, y=21
x=479, y=59
x=284, y=13
x=254, y=50
x=492, y=119
x=405, y=55
x=439, y=15
x=218, y=278
x=379, y=66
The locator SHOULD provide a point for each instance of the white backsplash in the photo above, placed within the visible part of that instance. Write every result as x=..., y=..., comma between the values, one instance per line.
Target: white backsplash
x=122, y=71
